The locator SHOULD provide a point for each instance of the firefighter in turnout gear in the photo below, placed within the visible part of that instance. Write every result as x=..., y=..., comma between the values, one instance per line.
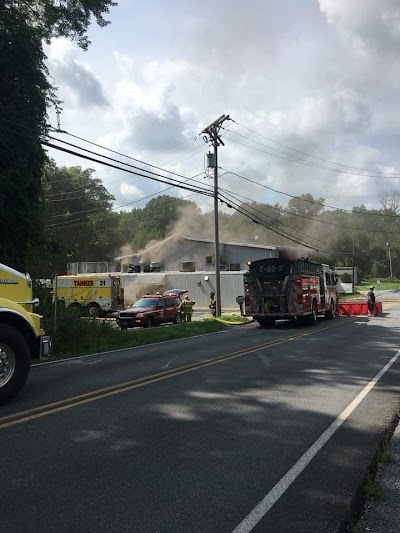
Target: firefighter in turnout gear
x=186, y=309
x=213, y=304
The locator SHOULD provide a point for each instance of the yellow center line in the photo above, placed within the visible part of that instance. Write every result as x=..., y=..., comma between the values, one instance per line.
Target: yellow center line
x=98, y=394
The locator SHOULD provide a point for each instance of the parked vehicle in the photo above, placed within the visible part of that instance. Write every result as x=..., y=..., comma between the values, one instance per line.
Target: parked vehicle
x=93, y=294
x=150, y=311
x=21, y=334
x=300, y=289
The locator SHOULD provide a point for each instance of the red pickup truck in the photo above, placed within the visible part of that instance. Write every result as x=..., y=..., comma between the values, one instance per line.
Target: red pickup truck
x=150, y=311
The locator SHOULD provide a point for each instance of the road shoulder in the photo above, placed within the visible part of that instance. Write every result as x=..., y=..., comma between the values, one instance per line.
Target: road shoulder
x=383, y=515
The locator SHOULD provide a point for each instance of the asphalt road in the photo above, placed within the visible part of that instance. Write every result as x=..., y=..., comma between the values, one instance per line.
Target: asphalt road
x=195, y=435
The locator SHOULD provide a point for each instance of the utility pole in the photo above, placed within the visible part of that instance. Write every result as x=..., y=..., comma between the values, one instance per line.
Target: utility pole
x=390, y=260
x=211, y=135
x=352, y=267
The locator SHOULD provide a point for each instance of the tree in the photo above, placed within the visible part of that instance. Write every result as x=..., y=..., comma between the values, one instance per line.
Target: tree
x=390, y=201
x=80, y=224
x=155, y=221
x=62, y=18
x=306, y=204
x=25, y=94
x=301, y=209
x=23, y=97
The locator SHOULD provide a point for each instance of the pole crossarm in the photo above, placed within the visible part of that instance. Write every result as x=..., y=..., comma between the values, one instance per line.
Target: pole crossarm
x=213, y=130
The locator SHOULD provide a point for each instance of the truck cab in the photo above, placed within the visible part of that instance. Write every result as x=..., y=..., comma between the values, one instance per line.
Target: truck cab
x=21, y=334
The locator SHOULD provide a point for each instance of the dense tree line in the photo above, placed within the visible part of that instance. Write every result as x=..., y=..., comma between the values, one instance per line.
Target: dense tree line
x=81, y=225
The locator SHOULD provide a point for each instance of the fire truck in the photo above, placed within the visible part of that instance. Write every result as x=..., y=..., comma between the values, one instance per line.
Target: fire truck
x=21, y=333
x=296, y=289
x=94, y=294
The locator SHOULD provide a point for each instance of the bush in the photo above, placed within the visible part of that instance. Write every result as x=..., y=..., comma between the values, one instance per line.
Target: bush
x=345, y=278
x=76, y=335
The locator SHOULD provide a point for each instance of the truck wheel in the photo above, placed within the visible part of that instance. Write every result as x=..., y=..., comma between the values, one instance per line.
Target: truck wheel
x=329, y=314
x=149, y=323
x=14, y=362
x=77, y=308
x=94, y=310
x=266, y=322
x=312, y=319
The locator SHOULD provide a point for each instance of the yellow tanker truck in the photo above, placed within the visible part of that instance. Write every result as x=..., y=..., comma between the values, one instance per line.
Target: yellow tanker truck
x=92, y=294
x=21, y=334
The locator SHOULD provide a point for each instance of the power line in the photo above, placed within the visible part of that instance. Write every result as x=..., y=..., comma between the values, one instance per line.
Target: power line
x=68, y=223
x=56, y=130
x=122, y=154
x=115, y=160
x=77, y=222
x=314, y=220
x=49, y=196
x=342, y=210
x=314, y=156
x=197, y=149
x=303, y=244
x=274, y=220
x=295, y=159
x=258, y=220
x=166, y=180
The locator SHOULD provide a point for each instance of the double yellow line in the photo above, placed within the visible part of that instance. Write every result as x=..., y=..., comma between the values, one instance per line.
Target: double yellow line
x=28, y=415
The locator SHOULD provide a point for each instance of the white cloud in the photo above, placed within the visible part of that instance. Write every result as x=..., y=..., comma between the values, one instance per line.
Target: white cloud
x=370, y=26
x=321, y=77
x=80, y=85
x=131, y=192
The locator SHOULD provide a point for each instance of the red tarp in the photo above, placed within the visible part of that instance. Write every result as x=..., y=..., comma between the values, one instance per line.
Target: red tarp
x=358, y=307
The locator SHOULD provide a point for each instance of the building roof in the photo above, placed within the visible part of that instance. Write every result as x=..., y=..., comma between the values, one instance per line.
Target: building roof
x=198, y=239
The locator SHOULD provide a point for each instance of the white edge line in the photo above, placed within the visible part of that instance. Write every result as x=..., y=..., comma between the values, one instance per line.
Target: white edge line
x=284, y=483
x=45, y=363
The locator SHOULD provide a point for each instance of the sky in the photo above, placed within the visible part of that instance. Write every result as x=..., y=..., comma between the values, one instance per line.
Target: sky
x=312, y=87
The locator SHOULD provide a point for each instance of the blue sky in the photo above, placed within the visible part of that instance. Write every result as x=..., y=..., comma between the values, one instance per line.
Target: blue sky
x=321, y=77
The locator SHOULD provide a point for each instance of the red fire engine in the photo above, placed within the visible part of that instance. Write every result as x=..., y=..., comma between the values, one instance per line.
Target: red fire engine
x=276, y=289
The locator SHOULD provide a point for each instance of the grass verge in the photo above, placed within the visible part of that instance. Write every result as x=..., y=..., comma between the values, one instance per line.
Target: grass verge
x=384, y=285
x=351, y=296
x=230, y=319
x=75, y=336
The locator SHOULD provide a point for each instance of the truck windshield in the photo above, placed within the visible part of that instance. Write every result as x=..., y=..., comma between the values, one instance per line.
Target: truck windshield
x=145, y=302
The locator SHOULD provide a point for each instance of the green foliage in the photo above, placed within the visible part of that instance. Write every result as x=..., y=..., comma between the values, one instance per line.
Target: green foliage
x=153, y=222
x=306, y=204
x=25, y=93
x=52, y=18
x=383, y=456
x=372, y=489
x=80, y=224
x=78, y=336
x=345, y=277
x=23, y=96
x=385, y=285
x=352, y=526
x=45, y=294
